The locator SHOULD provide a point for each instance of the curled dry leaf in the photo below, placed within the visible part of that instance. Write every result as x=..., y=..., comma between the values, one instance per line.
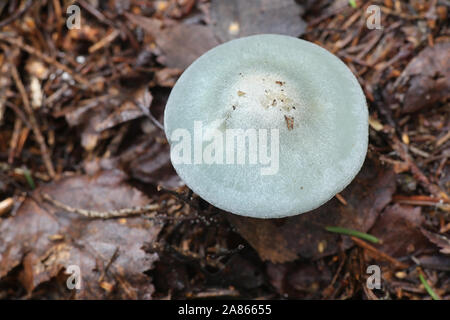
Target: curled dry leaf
x=5, y=82
x=282, y=240
x=440, y=240
x=46, y=240
x=101, y=113
x=128, y=110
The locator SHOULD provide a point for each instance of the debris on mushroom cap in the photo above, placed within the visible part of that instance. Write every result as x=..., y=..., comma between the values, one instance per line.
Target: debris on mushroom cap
x=272, y=126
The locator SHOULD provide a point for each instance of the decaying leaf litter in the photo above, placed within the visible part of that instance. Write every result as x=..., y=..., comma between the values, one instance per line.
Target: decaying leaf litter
x=80, y=112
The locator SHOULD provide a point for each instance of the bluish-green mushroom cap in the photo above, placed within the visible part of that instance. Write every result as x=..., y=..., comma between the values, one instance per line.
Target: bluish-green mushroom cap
x=267, y=126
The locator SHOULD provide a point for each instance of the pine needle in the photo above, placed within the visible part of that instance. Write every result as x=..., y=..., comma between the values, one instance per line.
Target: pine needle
x=354, y=233
x=29, y=178
x=428, y=288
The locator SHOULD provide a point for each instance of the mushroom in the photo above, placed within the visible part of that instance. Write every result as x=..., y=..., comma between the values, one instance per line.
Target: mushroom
x=267, y=126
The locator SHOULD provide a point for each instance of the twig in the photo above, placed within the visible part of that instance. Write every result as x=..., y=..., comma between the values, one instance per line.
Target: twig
x=318, y=30
x=148, y=114
x=327, y=15
x=370, y=295
x=19, y=113
x=443, y=139
x=401, y=14
x=105, y=41
x=34, y=124
x=186, y=198
x=229, y=252
x=16, y=15
x=14, y=140
x=341, y=199
x=152, y=207
x=105, y=269
x=102, y=214
x=215, y=293
x=44, y=57
x=402, y=151
x=421, y=200
x=327, y=293
x=379, y=254
x=96, y=13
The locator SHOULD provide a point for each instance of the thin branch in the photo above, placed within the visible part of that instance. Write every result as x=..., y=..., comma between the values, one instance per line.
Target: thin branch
x=44, y=57
x=148, y=114
x=34, y=124
x=379, y=254
x=102, y=214
x=16, y=15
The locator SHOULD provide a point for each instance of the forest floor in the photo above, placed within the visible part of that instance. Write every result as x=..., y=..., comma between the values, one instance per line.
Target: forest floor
x=80, y=137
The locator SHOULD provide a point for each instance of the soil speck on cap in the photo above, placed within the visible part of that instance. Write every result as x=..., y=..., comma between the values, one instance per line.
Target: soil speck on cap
x=289, y=122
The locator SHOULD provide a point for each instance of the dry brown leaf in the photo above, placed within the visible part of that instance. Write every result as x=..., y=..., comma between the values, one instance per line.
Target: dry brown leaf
x=101, y=113
x=46, y=240
x=399, y=229
x=234, y=18
x=149, y=162
x=183, y=43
